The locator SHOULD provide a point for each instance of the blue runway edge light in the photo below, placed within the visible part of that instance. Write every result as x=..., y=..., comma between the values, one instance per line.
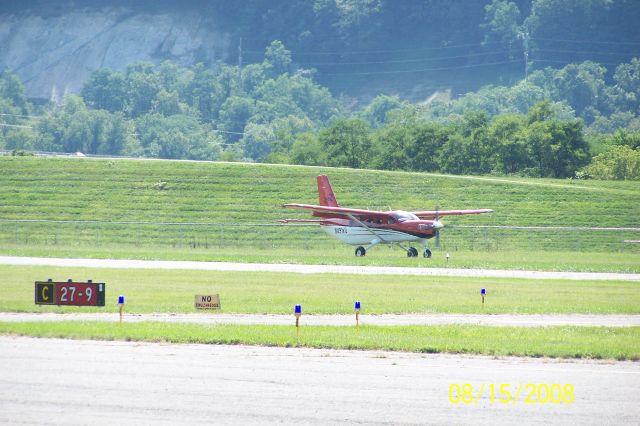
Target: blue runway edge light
x=298, y=309
x=483, y=291
x=357, y=305
x=121, y=300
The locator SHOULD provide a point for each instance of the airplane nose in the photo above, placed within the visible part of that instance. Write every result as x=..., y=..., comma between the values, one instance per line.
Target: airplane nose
x=437, y=224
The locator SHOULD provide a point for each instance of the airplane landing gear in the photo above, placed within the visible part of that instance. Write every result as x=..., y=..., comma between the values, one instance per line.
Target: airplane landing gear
x=360, y=251
x=412, y=252
x=427, y=253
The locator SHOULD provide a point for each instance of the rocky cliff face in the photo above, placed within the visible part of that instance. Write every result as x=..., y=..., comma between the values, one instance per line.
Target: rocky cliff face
x=56, y=53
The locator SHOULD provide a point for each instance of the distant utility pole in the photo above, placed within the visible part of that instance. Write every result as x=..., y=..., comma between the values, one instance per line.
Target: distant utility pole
x=240, y=63
x=525, y=46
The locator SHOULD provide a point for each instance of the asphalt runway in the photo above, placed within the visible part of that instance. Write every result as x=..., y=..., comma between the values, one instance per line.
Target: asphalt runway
x=494, y=320
x=51, y=381
x=312, y=269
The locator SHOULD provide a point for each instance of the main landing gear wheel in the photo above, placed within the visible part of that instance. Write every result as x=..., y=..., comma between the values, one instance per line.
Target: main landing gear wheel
x=360, y=251
x=427, y=253
x=412, y=252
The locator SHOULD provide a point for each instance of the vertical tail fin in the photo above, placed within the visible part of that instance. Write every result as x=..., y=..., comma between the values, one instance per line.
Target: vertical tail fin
x=325, y=193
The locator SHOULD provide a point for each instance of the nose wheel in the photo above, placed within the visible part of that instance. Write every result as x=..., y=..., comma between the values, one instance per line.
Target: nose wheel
x=427, y=253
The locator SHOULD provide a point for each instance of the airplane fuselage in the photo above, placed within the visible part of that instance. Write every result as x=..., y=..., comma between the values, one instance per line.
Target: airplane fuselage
x=353, y=233
x=358, y=235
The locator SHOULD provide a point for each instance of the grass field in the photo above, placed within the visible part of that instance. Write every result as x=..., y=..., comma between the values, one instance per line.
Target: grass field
x=222, y=211
x=228, y=212
x=170, y=291
x=562, y=342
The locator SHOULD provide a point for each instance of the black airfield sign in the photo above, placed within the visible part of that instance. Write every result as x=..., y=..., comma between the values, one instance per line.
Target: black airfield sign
x=45, y=293
x=69, y=293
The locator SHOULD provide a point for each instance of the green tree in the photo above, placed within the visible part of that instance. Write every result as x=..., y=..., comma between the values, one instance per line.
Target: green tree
x=257, y=141
x=541, y=111
x=581, y=85
x=176, y=137
x=295, y=95
x=502, y=23
x=105, y=89
x=308, y=150
x=626, y=92
x=70, y=129
x=253, y=77
x=557, y=148
x=454, y=157
x=12, y=90
x=285, y=130
x=168, y=103
x=472, y=120
x=616, y=121
x=277, y=59
x=428, y=139
x=357, y=18
x=18, y=138
x=617, y=163
x=110, y=133
x=11, y=135
x=393, y=144
x=505, y=135
x=204, y=91
x=75, y=128
x=348, y=143
x=376, y=113
x=235, y=112
x=626, y=138
x=143, y=84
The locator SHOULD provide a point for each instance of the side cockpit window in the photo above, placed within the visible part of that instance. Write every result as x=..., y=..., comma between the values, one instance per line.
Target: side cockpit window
x=401, y=216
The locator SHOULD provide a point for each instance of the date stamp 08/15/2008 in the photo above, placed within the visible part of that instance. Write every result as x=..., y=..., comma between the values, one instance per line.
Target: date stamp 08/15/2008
x=508, y=393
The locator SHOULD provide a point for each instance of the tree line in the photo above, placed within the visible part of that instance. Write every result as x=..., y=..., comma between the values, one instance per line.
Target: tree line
x=560, y=123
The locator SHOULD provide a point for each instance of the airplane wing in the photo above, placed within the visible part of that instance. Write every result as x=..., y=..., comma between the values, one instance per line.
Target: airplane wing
x=347, y=212
x=353, y=214
x=336, y=211
x=432, y=214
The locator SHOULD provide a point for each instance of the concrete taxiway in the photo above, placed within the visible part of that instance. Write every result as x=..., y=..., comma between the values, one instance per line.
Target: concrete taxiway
x=51, y=381
x=493, y=320
x=313, y=269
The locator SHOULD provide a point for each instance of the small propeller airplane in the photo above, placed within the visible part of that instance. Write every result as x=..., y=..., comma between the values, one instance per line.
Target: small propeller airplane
x=369, y=227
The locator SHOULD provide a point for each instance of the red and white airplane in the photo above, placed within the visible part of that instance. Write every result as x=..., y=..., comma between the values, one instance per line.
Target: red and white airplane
x=370, y=227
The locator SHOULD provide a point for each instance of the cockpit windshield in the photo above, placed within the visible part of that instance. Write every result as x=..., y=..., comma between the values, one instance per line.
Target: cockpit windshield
x=402, y=216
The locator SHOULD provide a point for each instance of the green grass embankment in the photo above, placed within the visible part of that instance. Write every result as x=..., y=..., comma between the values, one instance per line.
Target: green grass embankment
x=218, y=211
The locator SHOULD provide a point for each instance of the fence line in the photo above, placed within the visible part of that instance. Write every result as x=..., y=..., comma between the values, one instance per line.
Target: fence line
x=304, y=236
x=233, y=224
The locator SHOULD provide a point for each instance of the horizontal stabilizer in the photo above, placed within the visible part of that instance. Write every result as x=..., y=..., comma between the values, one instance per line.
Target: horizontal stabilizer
x=299, y=221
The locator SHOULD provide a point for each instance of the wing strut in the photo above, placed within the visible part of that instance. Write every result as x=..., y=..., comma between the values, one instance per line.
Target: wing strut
x=374, y=233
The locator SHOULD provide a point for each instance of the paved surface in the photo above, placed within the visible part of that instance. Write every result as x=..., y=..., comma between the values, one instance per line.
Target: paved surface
x=313, y=269
x=498, y=320
x=49, y=381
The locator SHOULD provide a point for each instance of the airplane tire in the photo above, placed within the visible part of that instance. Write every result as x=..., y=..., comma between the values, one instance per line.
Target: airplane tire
x=427, y=253
x=360, y=251
x=412, y=252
